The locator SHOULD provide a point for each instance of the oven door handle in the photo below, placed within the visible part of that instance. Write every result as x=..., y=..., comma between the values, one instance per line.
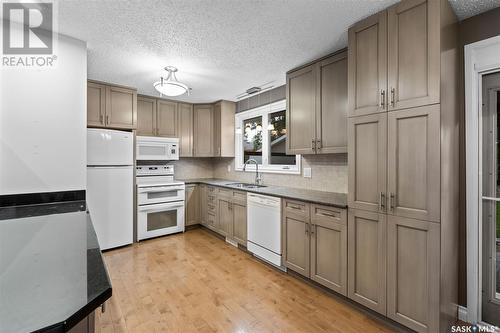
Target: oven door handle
x=160, y=189
x=158, y=208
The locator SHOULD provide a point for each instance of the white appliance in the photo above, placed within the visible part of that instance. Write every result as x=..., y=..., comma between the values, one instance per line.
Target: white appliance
x=150, y=148
x=264, y=227
x=110, y=188
x=160, y=201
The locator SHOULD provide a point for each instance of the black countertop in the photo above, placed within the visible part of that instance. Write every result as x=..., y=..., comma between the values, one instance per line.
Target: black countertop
x=313, y=196
x=52, y=274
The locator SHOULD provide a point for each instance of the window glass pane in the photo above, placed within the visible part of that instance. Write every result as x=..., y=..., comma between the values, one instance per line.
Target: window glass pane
x=252, y=139
x=277, y=139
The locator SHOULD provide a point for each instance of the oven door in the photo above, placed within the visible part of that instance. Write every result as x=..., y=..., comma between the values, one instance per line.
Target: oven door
x=160, y=219
x=160, y=194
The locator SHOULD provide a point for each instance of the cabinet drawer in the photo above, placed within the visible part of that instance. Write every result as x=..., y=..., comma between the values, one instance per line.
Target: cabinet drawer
x=296, y=208
x=211, y=189
x=225, y=193
x=211, y=219
x=211, y=199
x=326, y=214
x=212, y=208
x=240, y=197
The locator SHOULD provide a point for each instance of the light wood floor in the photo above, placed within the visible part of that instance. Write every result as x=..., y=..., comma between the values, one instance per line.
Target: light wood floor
x=195, y=282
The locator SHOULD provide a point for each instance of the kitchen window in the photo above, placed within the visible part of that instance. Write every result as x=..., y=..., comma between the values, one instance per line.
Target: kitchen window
x=261, y=135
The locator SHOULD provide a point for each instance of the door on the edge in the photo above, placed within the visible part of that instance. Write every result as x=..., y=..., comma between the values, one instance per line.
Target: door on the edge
x=490, y=138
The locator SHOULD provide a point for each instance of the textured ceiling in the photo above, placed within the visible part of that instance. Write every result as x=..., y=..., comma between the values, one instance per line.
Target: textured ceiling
x=468, y=8
x=221, y=47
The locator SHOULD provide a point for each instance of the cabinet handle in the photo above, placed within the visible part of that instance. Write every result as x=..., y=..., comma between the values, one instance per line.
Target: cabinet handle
x=307, y=228
x=107, y=120
x=392, y=96
x=393, y=198
x=329, y=215
x=382, y=98
x=382, y=201
x=318, y=144
x=101, y=119
x=313, y=144
x=294, y=207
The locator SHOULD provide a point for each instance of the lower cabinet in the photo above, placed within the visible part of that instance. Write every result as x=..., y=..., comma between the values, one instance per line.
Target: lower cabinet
x=367, y=259
x=413, y=273
x=240, y=223
x=315, y=243
x=192, y=205
x=225, y=216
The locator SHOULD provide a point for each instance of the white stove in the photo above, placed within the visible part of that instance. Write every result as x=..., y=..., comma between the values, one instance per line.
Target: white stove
x=160, y=201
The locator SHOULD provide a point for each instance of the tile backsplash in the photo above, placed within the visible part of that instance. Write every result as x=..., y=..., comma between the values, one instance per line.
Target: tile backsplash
x=328, y=172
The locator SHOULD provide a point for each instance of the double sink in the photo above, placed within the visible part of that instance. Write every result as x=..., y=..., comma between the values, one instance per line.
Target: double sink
x=245, y=185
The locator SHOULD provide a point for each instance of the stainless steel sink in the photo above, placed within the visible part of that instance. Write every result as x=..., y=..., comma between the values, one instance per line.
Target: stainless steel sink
x=245, y=185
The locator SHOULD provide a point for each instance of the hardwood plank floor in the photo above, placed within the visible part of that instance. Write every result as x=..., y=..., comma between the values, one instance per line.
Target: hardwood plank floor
x=195, y=282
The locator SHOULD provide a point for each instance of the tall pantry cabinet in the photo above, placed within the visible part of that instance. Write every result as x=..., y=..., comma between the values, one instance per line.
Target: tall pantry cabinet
x=403, y=164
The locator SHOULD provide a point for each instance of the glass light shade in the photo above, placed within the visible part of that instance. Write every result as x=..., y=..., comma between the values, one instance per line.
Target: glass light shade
x=170, y=88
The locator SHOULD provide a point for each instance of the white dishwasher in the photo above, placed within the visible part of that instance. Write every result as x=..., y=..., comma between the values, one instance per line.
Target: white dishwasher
x=264, y=227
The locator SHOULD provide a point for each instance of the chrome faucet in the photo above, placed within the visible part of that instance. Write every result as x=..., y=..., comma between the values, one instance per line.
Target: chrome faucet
x=258, y=179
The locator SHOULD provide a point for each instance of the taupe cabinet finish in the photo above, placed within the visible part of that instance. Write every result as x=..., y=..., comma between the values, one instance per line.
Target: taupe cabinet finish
x=225, y=212
x=413, y=163
x=111, y=106
x=413, y=273
x=224, y=129
x=404, y=163
x=394, y=58
x=413, y=53
x=367, y=162
x=315, y=243
x=368, y=65
x=203, y=130
x=166, y=119
x=367, y=259
x=146, y=116
x=317, y=107
x=192, y=204
x=185, y=129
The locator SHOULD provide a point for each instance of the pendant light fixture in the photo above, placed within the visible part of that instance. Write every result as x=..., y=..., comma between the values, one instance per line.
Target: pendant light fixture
x=169, y=86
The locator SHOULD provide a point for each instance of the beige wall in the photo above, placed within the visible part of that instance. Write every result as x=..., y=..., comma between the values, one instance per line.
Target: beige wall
x=329, y=173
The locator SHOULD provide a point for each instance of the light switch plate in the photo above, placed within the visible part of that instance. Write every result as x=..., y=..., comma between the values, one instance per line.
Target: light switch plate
x=307, y=172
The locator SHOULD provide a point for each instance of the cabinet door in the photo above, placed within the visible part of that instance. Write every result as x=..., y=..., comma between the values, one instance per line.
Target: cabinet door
x=240, y=223
x=96, y=104
x=203, y=130
x=301, y=111
x=296, y=245
x=413, y=249
x=329, y=247
x=166, y=119
x=367, y=157
x=146, y=116
x=217, y=129
x=185, y=117
x=192, y=205
x=224, y=217
x=121, y=108
x=413, y=53
x=331, y=120
x=226, y=129
x=413, y=163
x=368, y=65
x=203, y=204
x=367, y=259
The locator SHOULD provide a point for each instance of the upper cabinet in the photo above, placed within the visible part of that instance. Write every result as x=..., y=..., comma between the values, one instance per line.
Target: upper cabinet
x=368, y=65
x=185, y=129
x=203, y=130
x=146, y=116
x=394, y=58
x=317, y=107
x=413, y=54
x=111, y=106
x=224, y=128
x=166, y=119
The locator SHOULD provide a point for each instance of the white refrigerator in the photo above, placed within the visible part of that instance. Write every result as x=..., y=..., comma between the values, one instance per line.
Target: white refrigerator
x=110, y=185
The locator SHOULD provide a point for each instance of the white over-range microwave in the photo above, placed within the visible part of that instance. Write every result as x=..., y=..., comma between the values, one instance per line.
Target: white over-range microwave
x=151, y=148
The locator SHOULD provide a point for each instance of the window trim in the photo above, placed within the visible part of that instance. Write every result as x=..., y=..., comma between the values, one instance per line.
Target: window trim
x=263, y=111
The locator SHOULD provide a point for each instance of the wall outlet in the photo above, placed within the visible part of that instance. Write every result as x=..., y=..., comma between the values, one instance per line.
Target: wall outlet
x=229, y=168
x=307, y=172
